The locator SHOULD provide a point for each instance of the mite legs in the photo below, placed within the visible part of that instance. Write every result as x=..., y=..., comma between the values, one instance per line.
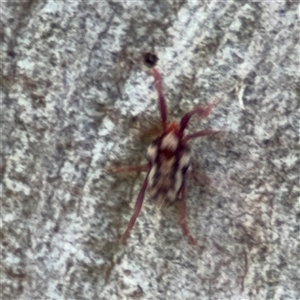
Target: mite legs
x=182, y=214
x=203, y=112
x=140, y=198
x=200, y=133
x=137, y=209
x=162, y=100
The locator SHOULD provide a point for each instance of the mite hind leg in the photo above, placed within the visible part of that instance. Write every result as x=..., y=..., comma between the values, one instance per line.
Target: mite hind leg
x=182, y=216
x=137, y=209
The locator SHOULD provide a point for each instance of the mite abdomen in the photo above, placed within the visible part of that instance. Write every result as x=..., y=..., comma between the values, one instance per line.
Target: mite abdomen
x=169, y=159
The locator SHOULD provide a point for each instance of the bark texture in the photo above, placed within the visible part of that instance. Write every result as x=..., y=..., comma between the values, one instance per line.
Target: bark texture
x=77, y=98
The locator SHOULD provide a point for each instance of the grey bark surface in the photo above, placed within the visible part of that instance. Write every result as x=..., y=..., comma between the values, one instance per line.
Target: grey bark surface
x=76, y=98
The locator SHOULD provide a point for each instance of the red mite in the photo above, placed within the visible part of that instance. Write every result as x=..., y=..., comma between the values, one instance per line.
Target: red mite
x=168, y=161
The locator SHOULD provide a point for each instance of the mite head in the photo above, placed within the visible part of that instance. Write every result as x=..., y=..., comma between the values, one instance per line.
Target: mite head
x=168, y=142
x=169, y=148
x=171, y=136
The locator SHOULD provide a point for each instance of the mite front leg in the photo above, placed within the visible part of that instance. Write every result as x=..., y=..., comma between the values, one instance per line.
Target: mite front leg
x=182, y=214
x=162, y=100
x=203, y=112
x=137, y=209
x=141, y=168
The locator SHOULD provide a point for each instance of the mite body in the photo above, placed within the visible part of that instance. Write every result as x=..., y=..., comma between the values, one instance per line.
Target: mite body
x=168, y=162
x=169, y=159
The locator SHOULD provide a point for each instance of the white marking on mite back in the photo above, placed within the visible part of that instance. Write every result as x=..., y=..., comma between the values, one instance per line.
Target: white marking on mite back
x=170, y=141
x=178, y=182
x=151, y=176
x=184, y=160
x=152, y=152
